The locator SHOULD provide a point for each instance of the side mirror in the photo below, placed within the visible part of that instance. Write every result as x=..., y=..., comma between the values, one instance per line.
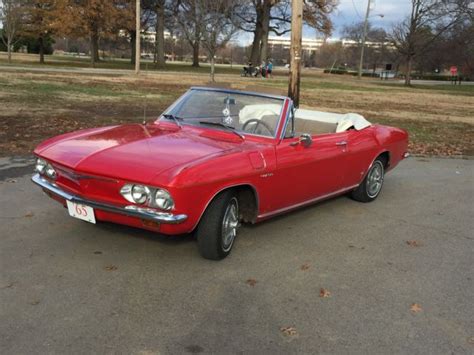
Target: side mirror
x=305, y=140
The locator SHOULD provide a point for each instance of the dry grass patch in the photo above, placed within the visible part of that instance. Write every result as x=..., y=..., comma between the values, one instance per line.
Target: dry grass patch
x=37, y=105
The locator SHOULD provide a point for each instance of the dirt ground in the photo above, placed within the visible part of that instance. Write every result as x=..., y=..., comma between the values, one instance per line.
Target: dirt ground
x=38, y=105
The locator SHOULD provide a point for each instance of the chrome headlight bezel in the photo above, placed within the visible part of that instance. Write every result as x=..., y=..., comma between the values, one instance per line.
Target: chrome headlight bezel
x=44, y=168
x=136, y=193
x=150, y=196
x=40, y=165
x=50, y=172
x=163, y=200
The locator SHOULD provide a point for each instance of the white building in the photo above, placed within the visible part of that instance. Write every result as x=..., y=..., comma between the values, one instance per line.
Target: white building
x=310, y=45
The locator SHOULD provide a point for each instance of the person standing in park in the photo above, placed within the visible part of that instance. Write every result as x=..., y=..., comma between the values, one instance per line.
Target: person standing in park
x=269, y=69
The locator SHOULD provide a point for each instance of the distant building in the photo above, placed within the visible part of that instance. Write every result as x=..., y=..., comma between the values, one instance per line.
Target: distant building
x=312, y=45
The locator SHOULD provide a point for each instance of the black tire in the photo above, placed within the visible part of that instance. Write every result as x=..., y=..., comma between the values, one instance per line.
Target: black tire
x=209, y=233
x=363, y=193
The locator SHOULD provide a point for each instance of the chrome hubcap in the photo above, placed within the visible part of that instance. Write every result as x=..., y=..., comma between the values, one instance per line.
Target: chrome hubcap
x=230, y=224
x=375, y=179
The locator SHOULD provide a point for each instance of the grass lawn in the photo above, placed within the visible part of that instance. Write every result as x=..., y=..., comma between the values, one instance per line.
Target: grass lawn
x=62, y=61
x=37, y=105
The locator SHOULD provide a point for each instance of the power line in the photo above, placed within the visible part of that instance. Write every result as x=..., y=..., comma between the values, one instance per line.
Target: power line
x=356, y=11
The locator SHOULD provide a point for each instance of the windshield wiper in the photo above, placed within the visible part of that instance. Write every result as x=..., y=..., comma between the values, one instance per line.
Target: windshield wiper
x=219, y=124
x=174, y=118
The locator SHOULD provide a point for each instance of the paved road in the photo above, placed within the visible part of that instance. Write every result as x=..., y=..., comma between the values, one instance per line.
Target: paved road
x=71, y=287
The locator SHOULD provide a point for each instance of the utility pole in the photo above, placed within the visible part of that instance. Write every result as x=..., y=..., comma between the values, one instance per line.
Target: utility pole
x=364, y=34
x=138, y=38
x=295, y=51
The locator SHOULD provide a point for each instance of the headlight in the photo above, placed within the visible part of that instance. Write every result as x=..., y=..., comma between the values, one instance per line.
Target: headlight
x=140, y=193
x=153, y=197
x=135, y=193
x=50, y=172
x=163, y=200
x=40, y=165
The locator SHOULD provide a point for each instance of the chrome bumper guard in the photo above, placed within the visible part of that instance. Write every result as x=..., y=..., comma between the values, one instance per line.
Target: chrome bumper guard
x=132, y=211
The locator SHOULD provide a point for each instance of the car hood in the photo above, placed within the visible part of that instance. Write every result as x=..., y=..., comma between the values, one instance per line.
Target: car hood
x=133, y=152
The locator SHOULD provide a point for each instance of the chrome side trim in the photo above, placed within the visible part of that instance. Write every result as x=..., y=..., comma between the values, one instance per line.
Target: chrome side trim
x=132, y=211
x=308, y=202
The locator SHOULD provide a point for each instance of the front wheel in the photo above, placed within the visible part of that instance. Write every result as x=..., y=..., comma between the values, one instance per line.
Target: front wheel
x=371, y=186
x=218, y=227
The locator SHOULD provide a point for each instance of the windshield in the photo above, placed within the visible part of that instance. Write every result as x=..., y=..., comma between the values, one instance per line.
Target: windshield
x=244, y=113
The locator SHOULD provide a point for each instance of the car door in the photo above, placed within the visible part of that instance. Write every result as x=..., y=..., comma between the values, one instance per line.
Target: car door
x=304, y=172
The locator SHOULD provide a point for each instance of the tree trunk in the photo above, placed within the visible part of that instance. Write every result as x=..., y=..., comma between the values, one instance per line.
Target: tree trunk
x=265, y=31
x=257, y=38
x=94, y=48
x=133, y=38
x=213, y=60
x=41, y=49
x=9, y=49
x=160, y=34
x=408, y=71
x=196, y=53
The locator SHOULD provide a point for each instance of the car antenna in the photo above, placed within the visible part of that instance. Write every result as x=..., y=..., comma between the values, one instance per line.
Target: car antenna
x=144, y=110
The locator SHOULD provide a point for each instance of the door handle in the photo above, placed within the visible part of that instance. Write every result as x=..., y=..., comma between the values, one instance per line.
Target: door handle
x=341, y=143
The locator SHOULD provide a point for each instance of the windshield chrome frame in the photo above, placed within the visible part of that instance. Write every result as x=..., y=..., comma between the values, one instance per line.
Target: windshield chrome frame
x=183, y=97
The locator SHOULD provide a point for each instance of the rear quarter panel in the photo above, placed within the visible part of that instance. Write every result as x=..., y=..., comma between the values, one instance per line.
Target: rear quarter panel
x=394, y=140
x=366, y=145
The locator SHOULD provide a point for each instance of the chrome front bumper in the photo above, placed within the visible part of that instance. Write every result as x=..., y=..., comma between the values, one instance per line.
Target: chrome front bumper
x=132, y=211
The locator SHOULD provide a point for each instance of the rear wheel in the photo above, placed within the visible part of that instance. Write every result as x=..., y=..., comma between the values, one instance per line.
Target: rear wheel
x=370, y=188
x=218, y=227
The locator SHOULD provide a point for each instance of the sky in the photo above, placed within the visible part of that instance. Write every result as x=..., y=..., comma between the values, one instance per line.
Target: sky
x=352, y=11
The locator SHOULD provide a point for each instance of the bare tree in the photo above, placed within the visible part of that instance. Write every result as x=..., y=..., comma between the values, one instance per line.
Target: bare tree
x=190, y=16
x=428, y=20
x=264, y=16
x=218, y=26
x=375, y=53
x=10, y=16
x=160, y=10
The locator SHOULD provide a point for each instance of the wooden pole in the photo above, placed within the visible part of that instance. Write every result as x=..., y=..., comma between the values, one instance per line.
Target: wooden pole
x=138, y=38
x=364, y=35
x=295, y=51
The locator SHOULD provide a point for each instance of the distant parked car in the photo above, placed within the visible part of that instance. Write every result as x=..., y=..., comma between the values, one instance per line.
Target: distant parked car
x=214, y=159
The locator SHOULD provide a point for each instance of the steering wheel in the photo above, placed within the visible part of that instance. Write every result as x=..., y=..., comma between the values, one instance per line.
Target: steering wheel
x=257, y=123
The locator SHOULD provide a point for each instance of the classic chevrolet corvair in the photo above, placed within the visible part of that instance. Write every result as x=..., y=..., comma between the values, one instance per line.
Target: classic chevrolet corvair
x=214, y=159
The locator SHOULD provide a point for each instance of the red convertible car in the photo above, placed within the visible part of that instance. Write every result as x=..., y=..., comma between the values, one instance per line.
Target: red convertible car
x=214, y=159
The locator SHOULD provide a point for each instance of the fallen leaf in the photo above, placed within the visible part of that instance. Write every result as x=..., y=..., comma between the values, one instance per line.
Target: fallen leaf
x=289, y=331
x=414, y=243
x=12, y=181
x=304, y=267
x=470, y=340
x=29, y=214
x=324, y=293
x=10, y=285
x=251, y=282
x=34, y=303
x=415, y=308
x=97, y=252
x=111, y=268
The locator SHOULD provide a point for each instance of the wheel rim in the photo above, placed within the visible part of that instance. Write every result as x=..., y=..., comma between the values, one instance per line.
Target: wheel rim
x=230, y=224
x=375, y=179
